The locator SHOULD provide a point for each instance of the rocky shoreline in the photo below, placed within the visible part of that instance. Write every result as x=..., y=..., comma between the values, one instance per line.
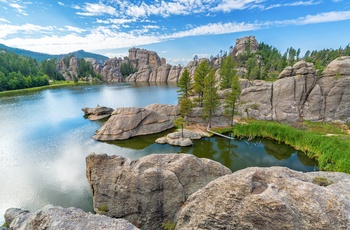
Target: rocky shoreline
x=197, y=193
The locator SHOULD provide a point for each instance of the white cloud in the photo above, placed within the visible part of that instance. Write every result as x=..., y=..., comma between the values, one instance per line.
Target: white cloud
x=4, y=20
x=302, y=3
x=215, y=28
x=118, y=21
x=229, y=5
x=61, y=3
x=7, y=29
x=75, y=29
x=95, y=9
x=325, y=17
x=19, y=8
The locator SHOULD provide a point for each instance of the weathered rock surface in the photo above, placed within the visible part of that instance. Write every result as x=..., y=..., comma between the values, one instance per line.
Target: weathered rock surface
x=179, y=138
x=129, y=122
x=300, y=94
x=148, y=191
x=270, y=198
x=217, y=120
x=242, y=45
x=58, y=218
x=97, y=113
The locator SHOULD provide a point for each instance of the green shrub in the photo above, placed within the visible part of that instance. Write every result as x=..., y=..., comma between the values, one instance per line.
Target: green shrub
x=169, y=225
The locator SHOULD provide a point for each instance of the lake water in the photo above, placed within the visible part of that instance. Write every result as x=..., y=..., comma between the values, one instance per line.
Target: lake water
x=45, y=139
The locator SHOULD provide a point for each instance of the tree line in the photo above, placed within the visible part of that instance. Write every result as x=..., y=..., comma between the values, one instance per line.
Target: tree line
x=202, y=91
x=19, y=72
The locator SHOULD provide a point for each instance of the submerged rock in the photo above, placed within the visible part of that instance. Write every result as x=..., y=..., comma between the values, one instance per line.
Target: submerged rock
x=57, y=218
x=149, y=191
x=270, y=198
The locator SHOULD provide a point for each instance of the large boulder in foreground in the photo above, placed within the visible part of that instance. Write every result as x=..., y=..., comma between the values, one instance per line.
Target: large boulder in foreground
x=149, y=191
x=270, y=198
x=57, y=218
x=129, y=122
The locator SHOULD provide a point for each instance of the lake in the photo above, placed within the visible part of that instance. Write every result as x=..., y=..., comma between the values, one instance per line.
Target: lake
x=45, y=139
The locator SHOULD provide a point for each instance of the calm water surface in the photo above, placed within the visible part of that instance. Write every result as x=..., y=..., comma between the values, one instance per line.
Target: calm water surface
x=45, y=139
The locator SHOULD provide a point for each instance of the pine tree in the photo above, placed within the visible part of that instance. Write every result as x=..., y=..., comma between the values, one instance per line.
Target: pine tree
x=184, y=83
x=230, y=99
x=210, y=96
x=198, y=85
x=186, y=106
x=227, y=72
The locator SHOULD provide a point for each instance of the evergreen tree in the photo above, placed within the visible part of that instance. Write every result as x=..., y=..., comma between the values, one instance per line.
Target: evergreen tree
x=210, y=96
x=198, y=85
x=231, y=98
x=186, y=106
x=227, y=72
x=180, y=121
x=184, y=83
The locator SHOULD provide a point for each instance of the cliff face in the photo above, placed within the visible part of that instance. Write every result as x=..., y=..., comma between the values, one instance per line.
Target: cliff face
x=242, y=44
x=151, y=68
x=300, y=94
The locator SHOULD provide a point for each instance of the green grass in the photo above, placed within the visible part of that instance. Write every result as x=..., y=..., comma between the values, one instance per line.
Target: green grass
x=331, y=152
x=52, y=85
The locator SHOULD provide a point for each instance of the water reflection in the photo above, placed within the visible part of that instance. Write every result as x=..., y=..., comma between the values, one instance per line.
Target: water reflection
x=45, y=139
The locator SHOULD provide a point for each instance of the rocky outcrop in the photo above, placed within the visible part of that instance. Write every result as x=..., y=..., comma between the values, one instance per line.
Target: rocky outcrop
x=300, y=94
x=57, y=218
x=129, y=122
x=151, y=68
x=242, y=44
x=149, y=191
x=179, y=138
x=68, y=68
x=270, y=198
x=218, y=119
x=97, y=113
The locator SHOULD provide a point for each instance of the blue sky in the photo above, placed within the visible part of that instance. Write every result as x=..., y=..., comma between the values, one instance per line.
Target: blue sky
x=176, y=30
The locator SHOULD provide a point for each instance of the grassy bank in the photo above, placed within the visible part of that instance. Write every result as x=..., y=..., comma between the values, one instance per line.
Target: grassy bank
x=52, y=85
x=328, y=143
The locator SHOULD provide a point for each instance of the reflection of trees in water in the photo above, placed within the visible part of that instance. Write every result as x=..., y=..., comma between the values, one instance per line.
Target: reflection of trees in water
x=306, y=160
x=216, y=148
x=140, y=142
x=279, y=151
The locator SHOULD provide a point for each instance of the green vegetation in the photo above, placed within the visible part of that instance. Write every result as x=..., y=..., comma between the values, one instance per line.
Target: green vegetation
x=227, y=72
x=126, y=69
x=5, y=225
x=198, y=86
x=331, y=151
x=21, y=72
x=322, y=181
x=184, y=84
x=180, y=122
x=231, y=98
x=169, y=225
x=103, y=208
x=210, y=97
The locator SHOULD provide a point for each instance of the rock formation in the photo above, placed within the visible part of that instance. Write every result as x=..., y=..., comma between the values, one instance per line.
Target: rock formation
x=300, y=94
x=242, y=44
x=68, y=69
x=149, y=191
x=270, y=198
x=57, y=218
x=179, y=138
x=97, y=113
x=129, y=122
